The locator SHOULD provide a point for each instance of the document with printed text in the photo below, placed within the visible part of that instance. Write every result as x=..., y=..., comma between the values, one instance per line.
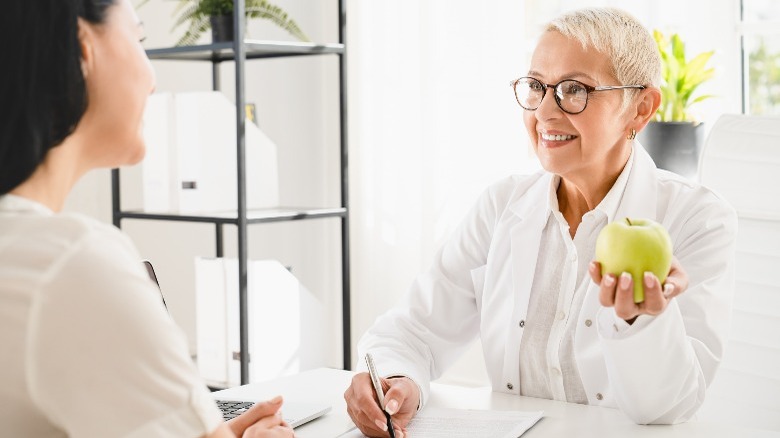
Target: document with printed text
x=462, y=423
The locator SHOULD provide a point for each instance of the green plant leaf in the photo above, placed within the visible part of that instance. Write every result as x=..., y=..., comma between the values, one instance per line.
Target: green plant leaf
x=698, y=62
x=680, y=78
x=198, y=12
x=678, y=49
x=188, y=14
x=181, y=4
x=703, y=97
x=198, y=25
x=694, y=83
x=279, y=17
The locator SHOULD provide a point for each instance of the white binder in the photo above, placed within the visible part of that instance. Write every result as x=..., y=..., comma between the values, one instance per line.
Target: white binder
x=287, y=331
x=190, y=165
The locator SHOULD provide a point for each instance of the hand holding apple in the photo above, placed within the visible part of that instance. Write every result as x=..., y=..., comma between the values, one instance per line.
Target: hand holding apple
x=635, y=246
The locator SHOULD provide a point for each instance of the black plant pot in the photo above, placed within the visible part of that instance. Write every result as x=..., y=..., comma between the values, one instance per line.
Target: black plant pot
x=674, y=146
x=221, y=28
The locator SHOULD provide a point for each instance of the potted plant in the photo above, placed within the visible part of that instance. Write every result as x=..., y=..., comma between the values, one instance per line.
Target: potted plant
x=674, y=137
x=217, y=15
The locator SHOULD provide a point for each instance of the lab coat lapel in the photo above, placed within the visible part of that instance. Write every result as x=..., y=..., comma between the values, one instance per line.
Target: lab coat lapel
x=531, y=211
x=639, y=198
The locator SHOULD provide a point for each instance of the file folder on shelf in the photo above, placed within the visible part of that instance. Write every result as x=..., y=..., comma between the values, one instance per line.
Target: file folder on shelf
x=190, y=166
x=287, y=331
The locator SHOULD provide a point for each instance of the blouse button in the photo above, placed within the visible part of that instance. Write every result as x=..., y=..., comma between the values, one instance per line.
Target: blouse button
x=510, y=386
x=599, y=396
x=522, y=324
x=588, y=323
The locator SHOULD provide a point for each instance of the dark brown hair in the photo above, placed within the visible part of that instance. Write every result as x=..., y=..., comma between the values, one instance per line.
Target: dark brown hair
x=42, y=90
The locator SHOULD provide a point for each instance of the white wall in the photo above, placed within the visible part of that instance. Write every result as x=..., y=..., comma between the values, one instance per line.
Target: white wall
x=297, y=107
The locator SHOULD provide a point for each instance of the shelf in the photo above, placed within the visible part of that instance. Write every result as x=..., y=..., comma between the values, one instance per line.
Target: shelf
x=254, y=49
x=253, y=216
x=257, y=49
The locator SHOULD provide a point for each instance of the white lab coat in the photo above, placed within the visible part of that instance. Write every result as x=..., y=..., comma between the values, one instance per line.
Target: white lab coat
x=655, y=371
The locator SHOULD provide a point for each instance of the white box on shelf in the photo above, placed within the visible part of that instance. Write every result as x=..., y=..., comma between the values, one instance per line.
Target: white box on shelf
x=190, y=165
x=286, y=322
x=195, y=135
x=211, y=304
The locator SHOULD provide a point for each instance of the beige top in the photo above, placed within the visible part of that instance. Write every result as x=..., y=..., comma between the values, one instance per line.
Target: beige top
x=88, y=348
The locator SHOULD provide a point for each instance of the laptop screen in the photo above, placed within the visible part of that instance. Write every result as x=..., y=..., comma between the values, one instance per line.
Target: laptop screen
x=153, y=276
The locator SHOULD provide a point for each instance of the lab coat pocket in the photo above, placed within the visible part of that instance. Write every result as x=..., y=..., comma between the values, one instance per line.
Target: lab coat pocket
x=478, y=279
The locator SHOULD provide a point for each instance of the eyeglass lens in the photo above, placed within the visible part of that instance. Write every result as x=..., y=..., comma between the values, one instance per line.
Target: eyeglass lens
x=571, y=95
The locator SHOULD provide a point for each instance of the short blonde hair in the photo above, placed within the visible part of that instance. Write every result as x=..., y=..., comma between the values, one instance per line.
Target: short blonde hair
x=618, y=34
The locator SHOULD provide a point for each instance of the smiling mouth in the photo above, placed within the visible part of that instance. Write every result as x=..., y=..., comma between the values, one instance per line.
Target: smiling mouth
x=553, y=137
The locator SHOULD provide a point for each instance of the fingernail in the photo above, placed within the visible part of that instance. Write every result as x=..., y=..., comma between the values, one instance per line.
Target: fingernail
x=625, y=280
x=391, y=407
x=399, y=434
x=648, y=279
x=609, y=280
x=668, y=289
x=381, y=425
x=276, y=400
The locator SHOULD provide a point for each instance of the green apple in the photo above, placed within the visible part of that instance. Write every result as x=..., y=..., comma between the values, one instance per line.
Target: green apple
x=635, y=246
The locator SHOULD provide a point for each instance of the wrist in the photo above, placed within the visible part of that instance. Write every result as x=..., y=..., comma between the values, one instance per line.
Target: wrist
x=413, y=384
x=236, y=425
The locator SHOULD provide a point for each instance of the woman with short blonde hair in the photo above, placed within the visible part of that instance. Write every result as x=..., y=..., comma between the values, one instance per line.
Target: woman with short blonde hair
x=520, y=272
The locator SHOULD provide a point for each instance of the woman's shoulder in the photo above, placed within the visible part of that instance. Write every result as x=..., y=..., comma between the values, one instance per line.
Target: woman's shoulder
x=91, y=237
x=83, y=225
x=692, y=204
x=69, y=229
x=52, y=239
x=676, y=189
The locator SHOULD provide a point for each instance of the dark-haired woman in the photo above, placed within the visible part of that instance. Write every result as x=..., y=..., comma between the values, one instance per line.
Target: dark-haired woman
x=87, y=351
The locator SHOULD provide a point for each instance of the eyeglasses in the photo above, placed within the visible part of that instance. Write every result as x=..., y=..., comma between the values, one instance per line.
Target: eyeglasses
x=571, y=95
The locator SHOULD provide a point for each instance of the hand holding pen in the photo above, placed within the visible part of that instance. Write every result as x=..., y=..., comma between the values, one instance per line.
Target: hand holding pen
x=401, y=398
x=380, y=393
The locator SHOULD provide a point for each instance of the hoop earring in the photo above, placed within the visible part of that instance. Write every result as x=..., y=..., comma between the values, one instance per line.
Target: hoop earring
x=632, y=135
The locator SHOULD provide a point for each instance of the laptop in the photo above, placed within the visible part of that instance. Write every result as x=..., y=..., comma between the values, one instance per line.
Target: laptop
x=294, y=413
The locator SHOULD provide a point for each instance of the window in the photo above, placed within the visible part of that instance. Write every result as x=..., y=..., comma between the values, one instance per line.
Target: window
x=760, y=29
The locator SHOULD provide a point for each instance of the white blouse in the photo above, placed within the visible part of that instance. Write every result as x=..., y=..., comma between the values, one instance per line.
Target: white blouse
x=548, y=367
x=88, y=348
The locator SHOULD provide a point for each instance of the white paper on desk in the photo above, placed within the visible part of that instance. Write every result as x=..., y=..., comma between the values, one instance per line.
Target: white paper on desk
x=462, y=423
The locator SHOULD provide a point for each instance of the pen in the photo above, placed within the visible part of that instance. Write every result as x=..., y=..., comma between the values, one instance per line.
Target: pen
x=380, y=394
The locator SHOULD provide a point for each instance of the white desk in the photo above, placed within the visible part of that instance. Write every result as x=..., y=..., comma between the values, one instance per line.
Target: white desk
x=560, y=419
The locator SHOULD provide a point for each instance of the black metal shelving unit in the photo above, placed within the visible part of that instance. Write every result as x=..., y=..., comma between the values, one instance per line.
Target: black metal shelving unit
x=239, y=51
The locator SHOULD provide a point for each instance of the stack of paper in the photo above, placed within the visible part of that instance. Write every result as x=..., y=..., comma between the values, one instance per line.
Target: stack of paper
x=462, y=423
